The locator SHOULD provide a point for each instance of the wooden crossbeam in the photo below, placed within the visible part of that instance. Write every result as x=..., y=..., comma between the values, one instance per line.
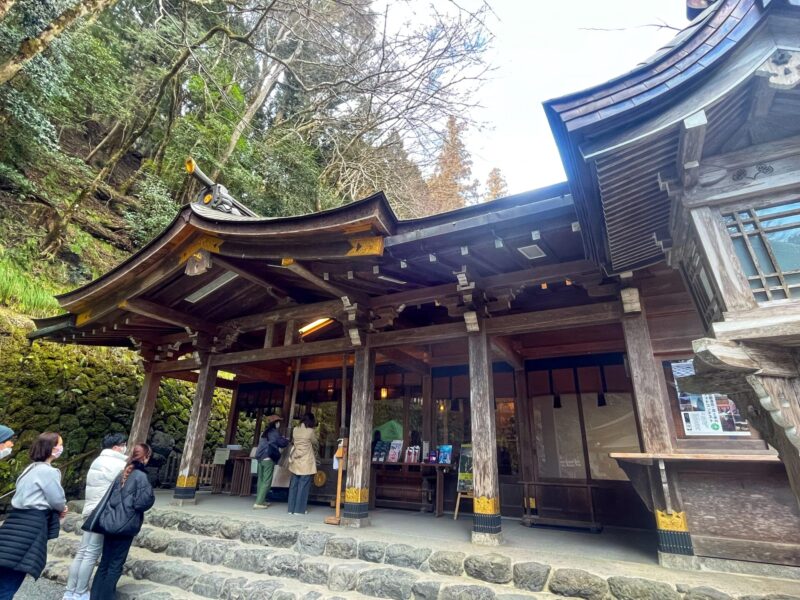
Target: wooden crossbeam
x=336, y=346
x=690, y=148
x=191, y=376
x=272, y=289
x=164, y=314
x=299, y=312
x=502, y=349
x=320, y=283
x=405, y=360
x=176, y=366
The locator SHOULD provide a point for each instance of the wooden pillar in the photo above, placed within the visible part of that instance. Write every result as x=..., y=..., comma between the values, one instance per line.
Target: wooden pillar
x=428, y=414
x=524, y=416
x=486, y=520
x=233, y=418
x=196, y=434
x=140, y=428
x=343, y=400
x=650, y=394
x=356, y=498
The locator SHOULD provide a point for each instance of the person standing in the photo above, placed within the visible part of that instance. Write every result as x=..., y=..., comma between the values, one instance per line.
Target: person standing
x=102, y=473
x=302, y=464
x=6, y=441
x=37, y=504
x=121, y=519
x=268, y=454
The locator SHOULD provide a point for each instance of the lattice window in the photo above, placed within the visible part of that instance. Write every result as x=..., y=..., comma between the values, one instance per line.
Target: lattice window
x=699, y=284
x=767, y=243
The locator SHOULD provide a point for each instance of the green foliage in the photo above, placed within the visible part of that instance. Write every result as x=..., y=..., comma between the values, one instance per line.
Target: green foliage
x=83, y=393
x=156, y=212
x=24, y=293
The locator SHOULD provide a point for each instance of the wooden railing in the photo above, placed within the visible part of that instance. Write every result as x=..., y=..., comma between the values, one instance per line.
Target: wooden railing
x=204, y=476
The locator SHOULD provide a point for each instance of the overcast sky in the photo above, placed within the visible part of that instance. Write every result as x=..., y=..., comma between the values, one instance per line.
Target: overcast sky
x=542, y=50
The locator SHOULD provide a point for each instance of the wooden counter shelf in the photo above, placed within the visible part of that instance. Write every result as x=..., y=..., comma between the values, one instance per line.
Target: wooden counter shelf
x=403, y=485
x=647, y=458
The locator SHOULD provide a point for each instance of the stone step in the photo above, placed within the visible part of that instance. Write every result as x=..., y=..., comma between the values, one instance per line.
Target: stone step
x=338, y=563
x=180, y=559
x=127, y=588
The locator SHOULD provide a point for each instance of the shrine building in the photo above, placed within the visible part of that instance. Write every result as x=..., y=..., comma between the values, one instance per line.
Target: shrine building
x=616, y=350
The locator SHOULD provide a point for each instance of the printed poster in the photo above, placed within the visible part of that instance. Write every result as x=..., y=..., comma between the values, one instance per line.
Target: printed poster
x=465, y=470
x=706, y=414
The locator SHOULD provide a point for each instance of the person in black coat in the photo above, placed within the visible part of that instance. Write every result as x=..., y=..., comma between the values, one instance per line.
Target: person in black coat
x=35, y=510
x=120, y=518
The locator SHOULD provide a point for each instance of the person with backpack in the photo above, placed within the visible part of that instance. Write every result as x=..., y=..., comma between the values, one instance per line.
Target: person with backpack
x=102, y=473
x=268, y=454
x=302, y=464
x=36, y=507
x=119, y=517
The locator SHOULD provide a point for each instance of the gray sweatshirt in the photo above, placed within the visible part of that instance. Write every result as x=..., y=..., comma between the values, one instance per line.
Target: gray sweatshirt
x=39, y=487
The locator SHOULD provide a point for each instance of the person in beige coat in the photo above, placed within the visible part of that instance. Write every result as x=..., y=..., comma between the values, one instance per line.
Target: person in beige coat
x=302, y=463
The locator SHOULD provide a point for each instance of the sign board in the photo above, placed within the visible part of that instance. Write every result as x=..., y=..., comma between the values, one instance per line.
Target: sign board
x=465, y=470
x=221, y=456
x=706, y=414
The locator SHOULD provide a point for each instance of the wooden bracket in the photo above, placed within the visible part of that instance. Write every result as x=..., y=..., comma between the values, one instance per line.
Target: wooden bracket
x=631, y=303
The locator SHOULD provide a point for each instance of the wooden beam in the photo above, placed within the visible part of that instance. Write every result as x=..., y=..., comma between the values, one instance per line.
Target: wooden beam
x=555, y=319
x=746, y=358
x=176, y=366
x=143, y=414
x=357, y=492
x=405, y=360
x=486, y=529
x=336, y=346
x=273, y=290
x=690, y=148
x=192, y=377
x=320, y=283
x=418, y=335
x=164, y=314
x=502, y=349
x=258, y=321
x=763, y=95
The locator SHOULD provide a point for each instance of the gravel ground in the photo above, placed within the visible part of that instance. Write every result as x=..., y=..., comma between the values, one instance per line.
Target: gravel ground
x=43, y=589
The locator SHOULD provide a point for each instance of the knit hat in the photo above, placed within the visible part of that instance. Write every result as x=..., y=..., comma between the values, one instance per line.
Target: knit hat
x=6, y=433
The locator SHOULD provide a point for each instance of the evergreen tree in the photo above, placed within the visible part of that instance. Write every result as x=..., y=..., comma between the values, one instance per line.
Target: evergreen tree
x=496, y=186
x=451, y=186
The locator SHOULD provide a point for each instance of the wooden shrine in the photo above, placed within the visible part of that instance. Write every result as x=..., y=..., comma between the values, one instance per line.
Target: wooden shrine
x=618, y=350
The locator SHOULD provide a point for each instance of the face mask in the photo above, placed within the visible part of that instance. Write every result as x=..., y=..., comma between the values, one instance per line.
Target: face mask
x=123, y=449
x=58, y=451
x=5, y=452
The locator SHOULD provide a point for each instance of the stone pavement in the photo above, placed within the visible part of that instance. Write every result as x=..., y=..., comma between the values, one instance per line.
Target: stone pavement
x=191, y=552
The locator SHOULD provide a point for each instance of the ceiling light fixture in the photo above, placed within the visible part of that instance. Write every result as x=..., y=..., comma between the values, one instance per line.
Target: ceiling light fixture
x=212, y=287
x=392, y=279
x=315, y=325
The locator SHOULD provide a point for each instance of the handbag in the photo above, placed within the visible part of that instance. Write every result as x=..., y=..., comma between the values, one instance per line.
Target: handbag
x=92, y=522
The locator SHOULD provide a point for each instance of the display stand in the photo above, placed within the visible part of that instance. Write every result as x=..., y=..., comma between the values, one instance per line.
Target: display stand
x=458, y=502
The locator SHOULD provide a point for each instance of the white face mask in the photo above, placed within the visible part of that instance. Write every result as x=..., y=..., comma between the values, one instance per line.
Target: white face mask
x=5, y=452
x=58, y=451
x=123, y=449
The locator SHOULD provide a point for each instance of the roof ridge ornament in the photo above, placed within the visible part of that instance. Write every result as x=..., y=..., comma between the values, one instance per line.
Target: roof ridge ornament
x=215, y=195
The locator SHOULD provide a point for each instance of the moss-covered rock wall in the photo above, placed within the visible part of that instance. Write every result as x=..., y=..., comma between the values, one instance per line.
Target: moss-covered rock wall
x=84, y=393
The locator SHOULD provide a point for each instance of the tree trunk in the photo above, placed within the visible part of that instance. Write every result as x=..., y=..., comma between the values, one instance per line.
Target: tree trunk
x=108, y=137
x=5, y=6
x=267, y=85
x=31, y=47
x=54, y=237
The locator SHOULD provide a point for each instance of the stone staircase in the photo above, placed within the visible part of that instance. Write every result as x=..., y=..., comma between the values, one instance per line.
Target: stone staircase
x=179, y=555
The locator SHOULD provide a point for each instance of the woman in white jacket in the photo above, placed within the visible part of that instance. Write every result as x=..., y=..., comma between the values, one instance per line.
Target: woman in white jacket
x=102, y=473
